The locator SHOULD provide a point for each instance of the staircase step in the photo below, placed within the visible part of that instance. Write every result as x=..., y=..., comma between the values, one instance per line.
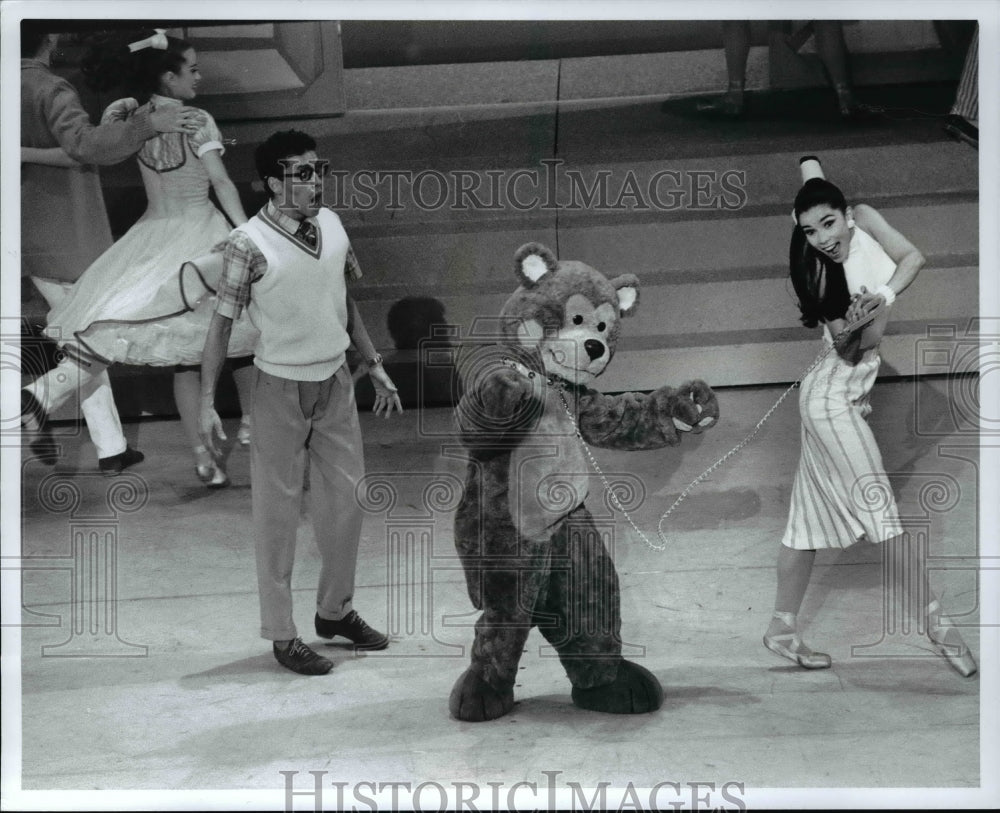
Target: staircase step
x=453, y=197
x=665, y=252
x=759, y=362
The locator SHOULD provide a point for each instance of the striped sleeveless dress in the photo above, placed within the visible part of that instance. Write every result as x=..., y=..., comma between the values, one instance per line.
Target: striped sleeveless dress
x=841, y=493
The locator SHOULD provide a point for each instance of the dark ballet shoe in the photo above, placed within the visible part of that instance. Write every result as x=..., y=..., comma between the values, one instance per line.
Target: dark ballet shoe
x=35, y=420
x=116, y=464
x=45, y=451
x=635, y=690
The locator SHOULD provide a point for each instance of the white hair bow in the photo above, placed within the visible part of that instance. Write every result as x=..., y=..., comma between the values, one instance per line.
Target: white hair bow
x=810, y=167
x=158, y=41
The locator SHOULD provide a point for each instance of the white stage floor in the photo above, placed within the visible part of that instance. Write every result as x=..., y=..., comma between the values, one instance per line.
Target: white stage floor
x=141, y=669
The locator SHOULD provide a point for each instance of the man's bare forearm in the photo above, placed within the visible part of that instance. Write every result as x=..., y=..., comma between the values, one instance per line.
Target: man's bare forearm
x=214, y=355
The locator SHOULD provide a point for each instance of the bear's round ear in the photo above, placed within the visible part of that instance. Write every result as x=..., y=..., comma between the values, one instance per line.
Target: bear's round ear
x=532, y=262
x=627, y=288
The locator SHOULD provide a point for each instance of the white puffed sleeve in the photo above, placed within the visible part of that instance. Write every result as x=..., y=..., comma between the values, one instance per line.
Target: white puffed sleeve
x=208, y=137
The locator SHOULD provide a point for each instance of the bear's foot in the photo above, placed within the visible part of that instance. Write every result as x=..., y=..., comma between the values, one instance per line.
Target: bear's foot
x=635, y=690
x=475, y=701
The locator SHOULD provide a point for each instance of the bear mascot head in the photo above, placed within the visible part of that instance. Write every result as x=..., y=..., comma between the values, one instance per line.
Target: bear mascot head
x=567, y=311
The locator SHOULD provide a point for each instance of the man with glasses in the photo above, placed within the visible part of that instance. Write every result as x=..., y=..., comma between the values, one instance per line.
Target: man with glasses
x=289, y=267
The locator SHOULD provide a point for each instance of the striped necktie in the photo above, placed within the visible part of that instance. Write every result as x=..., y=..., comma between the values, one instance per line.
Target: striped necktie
x=307, y=233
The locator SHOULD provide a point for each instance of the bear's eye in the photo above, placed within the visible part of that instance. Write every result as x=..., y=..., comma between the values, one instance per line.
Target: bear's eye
x=601, y=326
x=578, y=320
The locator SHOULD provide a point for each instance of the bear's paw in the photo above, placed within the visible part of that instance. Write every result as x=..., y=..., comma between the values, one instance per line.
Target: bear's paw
x=693, y=407
x=475, y=701
x=635, y=690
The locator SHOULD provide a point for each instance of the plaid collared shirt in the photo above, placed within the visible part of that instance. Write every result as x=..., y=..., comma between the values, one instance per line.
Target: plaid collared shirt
x=243, y=264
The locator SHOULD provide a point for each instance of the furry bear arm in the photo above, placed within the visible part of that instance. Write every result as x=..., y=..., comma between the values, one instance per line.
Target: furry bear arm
x=635, y=421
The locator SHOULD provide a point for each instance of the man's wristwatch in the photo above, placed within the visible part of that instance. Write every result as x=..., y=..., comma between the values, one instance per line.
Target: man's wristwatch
x=374, y=361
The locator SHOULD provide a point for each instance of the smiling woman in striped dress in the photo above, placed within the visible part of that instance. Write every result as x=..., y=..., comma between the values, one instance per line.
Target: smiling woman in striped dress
x=844, y=262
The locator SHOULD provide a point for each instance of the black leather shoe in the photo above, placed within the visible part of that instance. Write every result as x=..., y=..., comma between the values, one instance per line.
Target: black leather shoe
x=300, y=658
x=116, y=464
x=352, y=627
x=34, y=419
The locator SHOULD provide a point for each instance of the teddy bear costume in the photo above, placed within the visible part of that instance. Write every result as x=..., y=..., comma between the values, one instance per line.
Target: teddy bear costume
x=531, y=552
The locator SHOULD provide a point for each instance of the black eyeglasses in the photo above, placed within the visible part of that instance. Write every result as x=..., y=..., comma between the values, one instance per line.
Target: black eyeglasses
x=306, y=172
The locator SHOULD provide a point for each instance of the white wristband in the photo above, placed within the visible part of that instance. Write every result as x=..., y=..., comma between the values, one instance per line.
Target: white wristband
x=887, y=294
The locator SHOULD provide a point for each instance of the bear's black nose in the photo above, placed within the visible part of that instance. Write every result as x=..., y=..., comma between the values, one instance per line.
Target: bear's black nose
x=594, y=349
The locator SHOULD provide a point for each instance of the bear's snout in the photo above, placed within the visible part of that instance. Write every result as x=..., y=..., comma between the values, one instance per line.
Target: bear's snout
x=594, y=348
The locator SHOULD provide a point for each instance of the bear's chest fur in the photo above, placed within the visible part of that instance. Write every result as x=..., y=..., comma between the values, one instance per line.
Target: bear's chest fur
x=548, y=473
x=532, y=484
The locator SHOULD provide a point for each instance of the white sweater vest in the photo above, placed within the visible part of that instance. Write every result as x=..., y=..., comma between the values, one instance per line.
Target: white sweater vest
x=299, y=305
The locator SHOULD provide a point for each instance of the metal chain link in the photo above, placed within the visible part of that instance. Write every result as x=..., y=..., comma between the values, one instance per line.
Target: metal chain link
x=593, y=462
